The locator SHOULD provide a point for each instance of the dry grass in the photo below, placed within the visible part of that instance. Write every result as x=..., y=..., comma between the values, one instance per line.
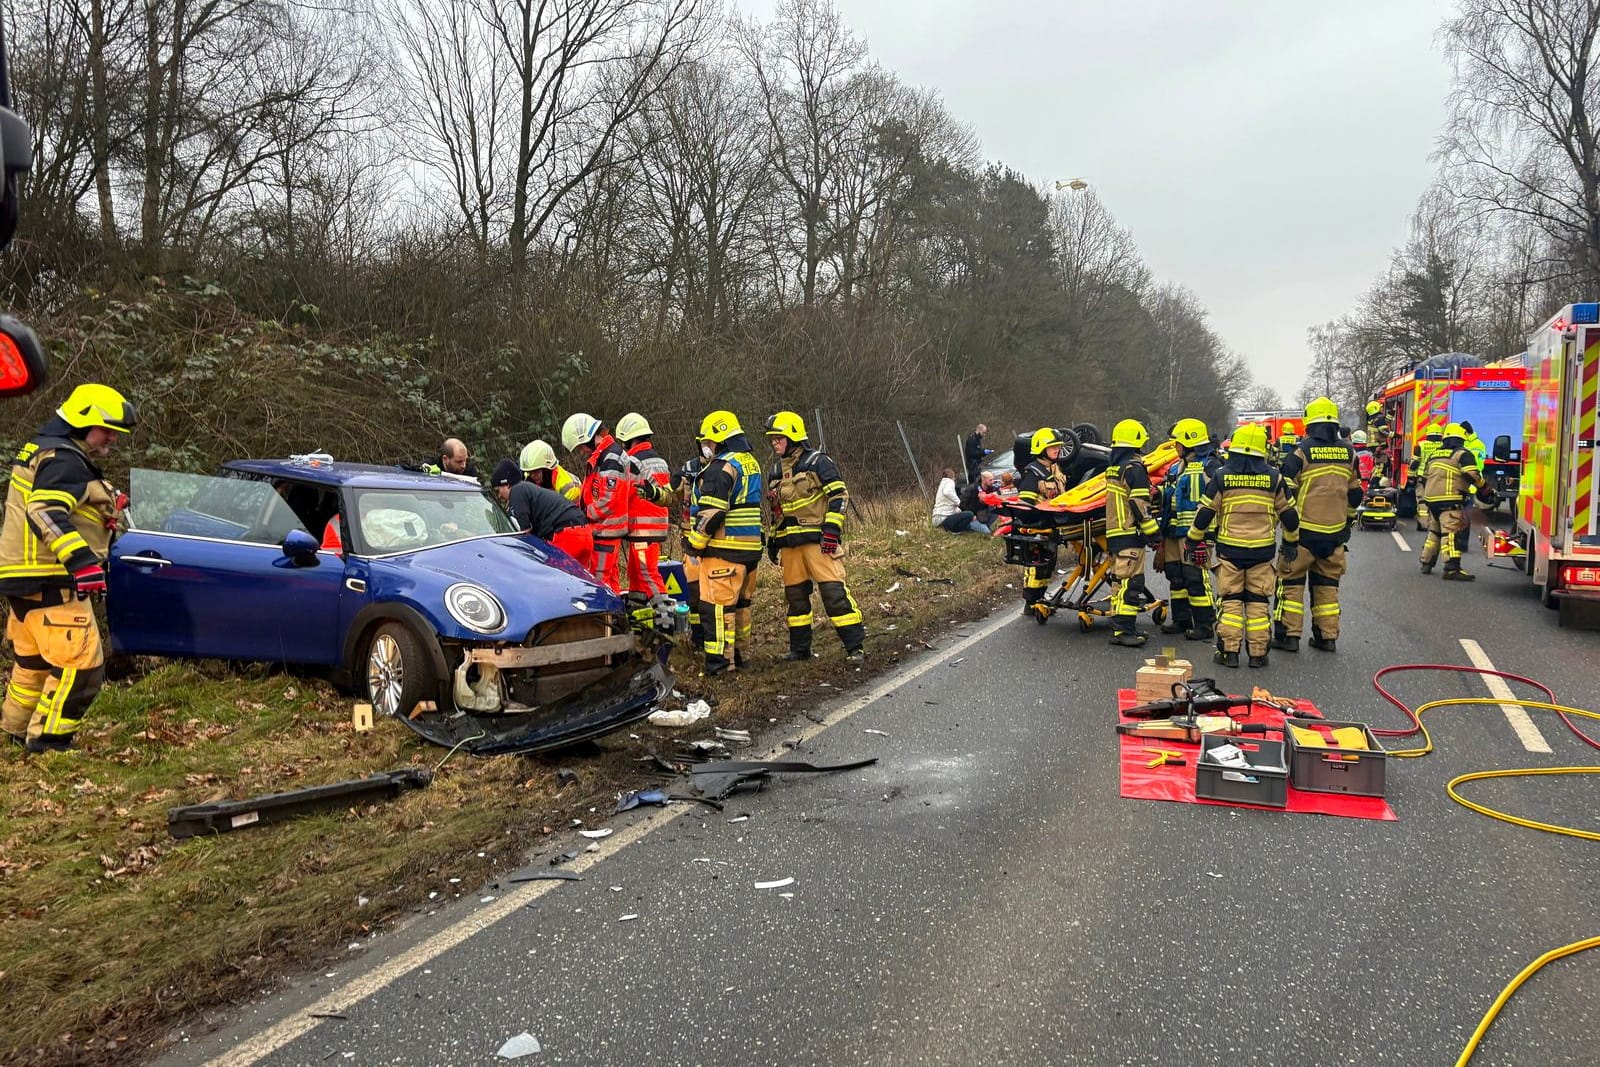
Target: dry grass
x=113, y=932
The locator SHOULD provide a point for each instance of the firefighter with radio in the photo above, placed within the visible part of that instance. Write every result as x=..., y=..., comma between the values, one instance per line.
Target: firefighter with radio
x=1246, y=501
x=1130, y=530
x=60, y=517
x=1326, y=483
x=1192, y=610
x=726, y=534
x=808, y=500
x=1452, y=474
x=1042, y=481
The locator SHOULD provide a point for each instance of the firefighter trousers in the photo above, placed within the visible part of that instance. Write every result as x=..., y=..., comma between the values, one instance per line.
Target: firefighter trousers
x=691, y=596
x=1129, y=595
x=1245, y=592
x=608, y=564
x=803, y=567
x=1323, y=573
x=726, y=589
x=1189, y=589
x=1447, y=532
x=644, y=574
x=59, y=665
x=1035, y=580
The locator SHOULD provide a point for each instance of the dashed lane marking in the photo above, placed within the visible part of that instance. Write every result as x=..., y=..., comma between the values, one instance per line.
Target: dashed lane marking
x=1401, y=541
x=1517, y=716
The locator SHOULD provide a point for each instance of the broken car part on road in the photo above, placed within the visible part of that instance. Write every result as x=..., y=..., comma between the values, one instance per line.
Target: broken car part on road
x=227, y=815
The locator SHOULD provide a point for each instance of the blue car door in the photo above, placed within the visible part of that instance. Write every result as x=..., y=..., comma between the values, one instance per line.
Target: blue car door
x=201, y=572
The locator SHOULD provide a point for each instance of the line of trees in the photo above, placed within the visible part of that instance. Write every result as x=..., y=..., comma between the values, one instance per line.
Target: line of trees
x=499, y=210
x=1510, y=230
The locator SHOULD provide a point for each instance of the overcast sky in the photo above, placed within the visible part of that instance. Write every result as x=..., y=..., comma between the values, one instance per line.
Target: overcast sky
x=1265, y=153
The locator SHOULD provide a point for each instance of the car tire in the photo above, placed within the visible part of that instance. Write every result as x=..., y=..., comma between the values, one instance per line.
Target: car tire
x=395, y=671
x=1088, y=433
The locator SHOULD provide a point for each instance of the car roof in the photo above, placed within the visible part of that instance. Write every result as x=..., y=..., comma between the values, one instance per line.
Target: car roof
x=354, y=475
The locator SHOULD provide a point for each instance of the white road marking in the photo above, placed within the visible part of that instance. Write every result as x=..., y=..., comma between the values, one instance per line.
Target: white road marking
x=1517, y=716
x=1401, y=541
x=259, y=1046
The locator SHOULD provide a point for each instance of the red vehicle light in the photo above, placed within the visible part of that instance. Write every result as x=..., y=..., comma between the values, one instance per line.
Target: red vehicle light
x=1584, y=576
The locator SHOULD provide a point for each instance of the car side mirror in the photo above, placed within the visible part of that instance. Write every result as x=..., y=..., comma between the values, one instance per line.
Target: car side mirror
x=301, y=547
x=1502, y=448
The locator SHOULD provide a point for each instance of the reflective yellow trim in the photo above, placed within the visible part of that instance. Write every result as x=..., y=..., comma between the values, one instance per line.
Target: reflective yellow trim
x=59, y=496
x=67, y=544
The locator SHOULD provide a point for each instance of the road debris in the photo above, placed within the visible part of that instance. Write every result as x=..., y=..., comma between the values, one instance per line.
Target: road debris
x=524, y=1044
x=697, y=710
x=604, y=831
x=738, y=737
x=880, y=733
x=629, y=801
x=718, y=778
x=563, y=858
x=566, y=776
x=327, y=1015
x=545, y=876
x=740, y=818
x=895, y=588
x=628, y=918
x=779, y=884
x=223, y=816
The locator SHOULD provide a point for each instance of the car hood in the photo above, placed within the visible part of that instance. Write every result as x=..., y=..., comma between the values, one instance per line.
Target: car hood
x=533, y=582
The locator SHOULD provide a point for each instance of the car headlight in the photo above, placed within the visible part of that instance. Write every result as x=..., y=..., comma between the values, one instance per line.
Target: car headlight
x=475, y=608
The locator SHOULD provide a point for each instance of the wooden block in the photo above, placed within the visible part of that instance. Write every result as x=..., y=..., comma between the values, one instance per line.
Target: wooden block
x=422, y=706
x=361, y=718
x=1155, y=679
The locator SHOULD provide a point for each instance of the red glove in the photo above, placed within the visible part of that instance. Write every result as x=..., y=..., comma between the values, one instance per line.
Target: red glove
x=1199, y=553
x=830, y=542
x=119, y=505
x=89, y=581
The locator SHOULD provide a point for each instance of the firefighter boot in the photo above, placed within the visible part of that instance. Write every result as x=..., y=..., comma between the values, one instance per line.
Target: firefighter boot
x=1322, y=644
x=1454, y=573
x=1427, y=568
x=855, y=656
x=1285, y=642
x=1227, y=659
x=1258, y=661
x=716, y=665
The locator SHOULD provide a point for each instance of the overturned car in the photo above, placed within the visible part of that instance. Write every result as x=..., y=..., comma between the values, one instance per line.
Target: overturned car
x=413, y=588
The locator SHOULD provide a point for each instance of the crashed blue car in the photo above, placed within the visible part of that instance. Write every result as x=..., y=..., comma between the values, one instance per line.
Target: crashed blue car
x=414, y=589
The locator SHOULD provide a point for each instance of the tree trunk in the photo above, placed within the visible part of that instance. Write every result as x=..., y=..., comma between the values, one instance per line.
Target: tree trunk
x=154, y=155
x=101, y=123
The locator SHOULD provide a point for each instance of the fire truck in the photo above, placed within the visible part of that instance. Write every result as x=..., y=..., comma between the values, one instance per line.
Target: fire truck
x=1278, y=422
x=1558, y=514
x=1447, y=389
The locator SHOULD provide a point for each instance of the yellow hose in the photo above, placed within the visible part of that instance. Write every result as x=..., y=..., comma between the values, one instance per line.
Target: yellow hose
x=1516, y=820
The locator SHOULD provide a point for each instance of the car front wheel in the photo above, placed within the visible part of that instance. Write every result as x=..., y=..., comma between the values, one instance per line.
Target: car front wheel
x=397, y=669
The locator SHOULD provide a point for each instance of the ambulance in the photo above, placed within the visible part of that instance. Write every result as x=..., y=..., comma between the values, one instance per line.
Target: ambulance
x=1558, y=515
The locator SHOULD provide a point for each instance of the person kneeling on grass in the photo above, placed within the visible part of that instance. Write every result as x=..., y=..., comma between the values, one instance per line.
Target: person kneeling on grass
x=948, y=514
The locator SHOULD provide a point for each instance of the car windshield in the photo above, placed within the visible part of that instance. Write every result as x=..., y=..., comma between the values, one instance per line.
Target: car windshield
x=402, y=520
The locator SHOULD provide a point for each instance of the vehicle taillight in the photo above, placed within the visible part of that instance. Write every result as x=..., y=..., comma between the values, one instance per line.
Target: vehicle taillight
x=1585, y=576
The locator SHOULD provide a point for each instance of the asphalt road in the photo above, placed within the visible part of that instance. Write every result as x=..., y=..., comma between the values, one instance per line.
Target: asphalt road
x=982, y=894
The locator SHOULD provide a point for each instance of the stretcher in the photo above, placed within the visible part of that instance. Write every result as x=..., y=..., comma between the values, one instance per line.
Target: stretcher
x=1377, y=510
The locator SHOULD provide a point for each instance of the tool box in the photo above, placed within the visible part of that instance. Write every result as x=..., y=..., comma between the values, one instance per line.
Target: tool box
x=1334, y=769
x=1154, y=680
x=1265, y=781
x=1029, y=549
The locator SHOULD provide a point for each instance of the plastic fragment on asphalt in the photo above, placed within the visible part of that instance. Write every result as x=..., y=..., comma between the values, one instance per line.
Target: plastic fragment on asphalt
x=593, y=848
x=628, y=918
x=546, y=876
x=524, y=1044
x=958, y=659
x=740, y=818
x=485, y=900
x=563, y=858
x=880, y=733
x=1214, y=874
x=779, y=884
x=629, y=801
x=787, y=896
x=616, y=889
x=604, y=831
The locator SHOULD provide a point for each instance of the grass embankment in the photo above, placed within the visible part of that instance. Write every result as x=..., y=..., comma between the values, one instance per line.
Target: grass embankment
x=112, y=931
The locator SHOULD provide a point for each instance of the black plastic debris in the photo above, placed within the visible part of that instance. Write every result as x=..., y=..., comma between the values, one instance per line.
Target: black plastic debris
x=718, y=778
x=225, y=816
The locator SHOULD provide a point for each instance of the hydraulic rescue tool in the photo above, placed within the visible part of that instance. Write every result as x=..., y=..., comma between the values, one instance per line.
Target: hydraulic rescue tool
x=1195, y=709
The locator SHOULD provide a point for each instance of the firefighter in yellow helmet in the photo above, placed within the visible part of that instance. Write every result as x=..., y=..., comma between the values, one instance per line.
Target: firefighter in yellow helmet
x=60, y=515
x=539, y=466
x=1246, y=501
x=1417, y=469
x=726, y=534
x=1327, y=491
x=808, y=501
x=1452, y=474
x=1042, y=480
x=1192, y=611
x=1130, y=529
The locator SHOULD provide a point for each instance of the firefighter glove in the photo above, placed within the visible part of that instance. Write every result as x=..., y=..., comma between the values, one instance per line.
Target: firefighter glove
x=1199, y=553
x=89, y=581
x=772, y=551
x=1287, y=552
x=830, y=542
x=655, y=494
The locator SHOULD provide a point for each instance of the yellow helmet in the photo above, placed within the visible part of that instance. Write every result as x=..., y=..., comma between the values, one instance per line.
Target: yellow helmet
x=537, y=456
x=1129, y=433
x=1455, y=430
x=1190, y=432
x=787, y=424
x=1436, y=430
x=1044, y=438
x=1250, y=440
x=98, y=405
x=1321, y=410
x=1288, y=437
x=719, y=426
x=1373, y=407
x=632, y=426
x=579, y=429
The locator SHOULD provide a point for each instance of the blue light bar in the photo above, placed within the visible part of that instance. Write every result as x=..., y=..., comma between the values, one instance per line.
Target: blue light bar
x=1585, y=314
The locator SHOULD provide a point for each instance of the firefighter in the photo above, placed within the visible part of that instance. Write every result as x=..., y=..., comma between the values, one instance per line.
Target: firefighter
x=607, y=491
x=808, y=501
x=1366, y=462
x=1286, y=445
x=727, y=536
x=1130, y=528
x=1452, y=474
x=683, y=488
x=1327, y=491
x=647, y=511
x=60, y=516
x=1377, y=420
x=539, y=466
x=1474, y=444
x=1042, y=481
x=1423, y=449
x=1192, y=611
x=1246, y=500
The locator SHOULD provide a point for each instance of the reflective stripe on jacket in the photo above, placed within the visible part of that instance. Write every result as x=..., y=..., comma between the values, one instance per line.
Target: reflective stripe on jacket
x=647, y=520
x=606, y=490
x=1452, y=474
x=1246, y=501
x=57, y=515
x=808, y=490
x=727, y=509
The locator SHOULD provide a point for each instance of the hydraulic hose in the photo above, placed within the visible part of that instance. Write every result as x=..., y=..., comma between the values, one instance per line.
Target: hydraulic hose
x=1453, y=789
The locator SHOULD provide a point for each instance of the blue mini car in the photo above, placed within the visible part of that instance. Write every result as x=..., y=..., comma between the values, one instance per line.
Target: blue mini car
x=413, y=588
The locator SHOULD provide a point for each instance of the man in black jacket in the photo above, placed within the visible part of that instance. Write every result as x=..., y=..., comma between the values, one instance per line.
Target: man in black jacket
x=974, y=451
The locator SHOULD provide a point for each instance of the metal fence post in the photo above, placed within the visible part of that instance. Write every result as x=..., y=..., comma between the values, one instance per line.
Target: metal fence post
x=912, y=457
x=822, y=438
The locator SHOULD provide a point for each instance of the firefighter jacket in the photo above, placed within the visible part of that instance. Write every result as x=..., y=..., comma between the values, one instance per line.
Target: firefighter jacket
x=607, y=490
x=1327, y=485
x=1419, y=457
x=1042, y=481
x=808, y=496
x=726, y=506
x=648, y=519
x=59, y=514
x=1246, y=500
x=683, y=488
x=565, y=484
x=1185, y=484
x=1452, y=474
x=1128, y=520
x=1475, y=445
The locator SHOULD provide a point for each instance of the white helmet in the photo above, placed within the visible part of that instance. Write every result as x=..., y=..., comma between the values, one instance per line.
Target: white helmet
x=537, y=456
x=579, y=429
x=1359, y=437
x=632, y=426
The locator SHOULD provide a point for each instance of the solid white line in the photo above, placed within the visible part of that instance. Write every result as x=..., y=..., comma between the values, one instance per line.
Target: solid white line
x=1516, y=715
x=1401, y=541
x=261, y=1045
